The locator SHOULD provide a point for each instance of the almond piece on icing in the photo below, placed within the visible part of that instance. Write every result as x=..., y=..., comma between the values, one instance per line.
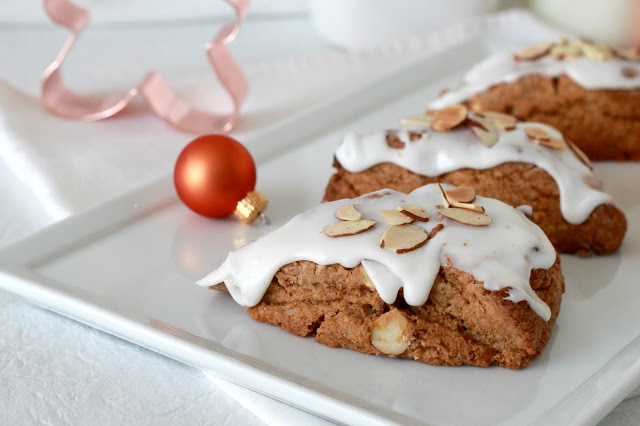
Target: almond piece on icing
x=394, y=217
x=415, y=213
x=403, y=238
x=445, y=200
x=435, y=230
x=449, y=117
x=347, y=228
x=531, y=53
x=629, y=72
x=595, y=52
x=418, y=120
x=468, y=217
x=537, y=133
x=348, y=212
x=468, y=206
x=503, y=121
x=485, y=130
x=390, y=333
x=366, y=280
x=461, y=194
x=551, y=143
x=580, y=154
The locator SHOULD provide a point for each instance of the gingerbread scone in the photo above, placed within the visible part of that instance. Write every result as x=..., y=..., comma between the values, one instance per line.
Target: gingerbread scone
x=404, y=276
x=588, y=91
x=519, y=163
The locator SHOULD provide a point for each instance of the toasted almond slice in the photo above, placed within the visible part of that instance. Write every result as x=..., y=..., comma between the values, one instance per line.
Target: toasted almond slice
x=629, y=72
x=435, y=230
x=403, y=238
x=449, y=117
x=593, y=182
x=418, y=120
x=394, y=217
x=580, y=154
x=445, y=200
x=595, y=52
x=551, y=143
x=347, y=228
x=468, y=217
x=461, y=194
x=503, y=121
x=534, y=52
x=393, y=141
x=468, y=206
x=537, y=133
x=488, y=136
x=348, y=212
x=631, y=53
x=391, y=333
x=415, y=213
x=366, y=280
x=566, y=52
x=416, y=136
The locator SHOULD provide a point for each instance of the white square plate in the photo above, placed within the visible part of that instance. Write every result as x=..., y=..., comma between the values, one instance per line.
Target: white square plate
x=128, y=267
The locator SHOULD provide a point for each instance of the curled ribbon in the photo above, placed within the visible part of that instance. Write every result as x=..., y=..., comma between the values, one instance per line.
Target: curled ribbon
x=176, y=112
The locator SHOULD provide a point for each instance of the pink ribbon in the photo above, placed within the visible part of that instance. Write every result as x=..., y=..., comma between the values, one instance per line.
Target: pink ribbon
x=176, y=112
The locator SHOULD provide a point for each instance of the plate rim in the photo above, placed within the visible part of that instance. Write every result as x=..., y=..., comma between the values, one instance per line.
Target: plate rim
x=18, y=260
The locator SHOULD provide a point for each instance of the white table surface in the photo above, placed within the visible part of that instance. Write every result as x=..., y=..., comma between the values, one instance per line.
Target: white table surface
x=54, y=370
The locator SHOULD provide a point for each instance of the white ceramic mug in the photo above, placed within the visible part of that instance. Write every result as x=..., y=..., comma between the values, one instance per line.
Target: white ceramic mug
x=610, y=21
x=364, y=23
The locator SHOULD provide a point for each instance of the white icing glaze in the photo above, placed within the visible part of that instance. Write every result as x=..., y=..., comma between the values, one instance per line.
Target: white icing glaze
x=436, y=153
x=501, y=254
x=502, y=68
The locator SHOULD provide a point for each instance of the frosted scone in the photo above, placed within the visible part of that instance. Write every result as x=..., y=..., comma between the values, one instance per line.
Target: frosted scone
x=590, y=92
x=520, y=163
x=403, y=275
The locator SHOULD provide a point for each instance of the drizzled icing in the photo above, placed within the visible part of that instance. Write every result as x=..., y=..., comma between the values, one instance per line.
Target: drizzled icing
x=501, y=254
x=502, y=68
x=436, y=153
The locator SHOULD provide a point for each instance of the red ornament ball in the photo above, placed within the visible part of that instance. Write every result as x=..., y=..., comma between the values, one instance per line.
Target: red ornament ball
x=213, y=173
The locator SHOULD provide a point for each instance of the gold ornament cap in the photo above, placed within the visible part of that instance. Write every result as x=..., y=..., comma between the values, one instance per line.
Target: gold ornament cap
x=250, y=207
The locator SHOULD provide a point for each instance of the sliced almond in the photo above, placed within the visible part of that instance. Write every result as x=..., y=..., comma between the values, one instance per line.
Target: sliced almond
x=348, y=212
x=537, y=133
x=393, y=141
x=394, y=217
x=534, y=52
x=449, y=117
x=345, y=229
x=551, y=143
x=629, y=72
x=485, y=129
x=435, y=230
x=415, y=136
x=461, y=194
x=403, y=238
x=487, y=137
x=503, y=121
x=445, y=200
x=595, y=52
x=468, y=206
x=366, y=280
x=391, y=333
x=566, y=52
x=580, y=154
x=631, y=53
x=593, y=182
x=418, y=120
x=468, y=217
x=414, y=212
